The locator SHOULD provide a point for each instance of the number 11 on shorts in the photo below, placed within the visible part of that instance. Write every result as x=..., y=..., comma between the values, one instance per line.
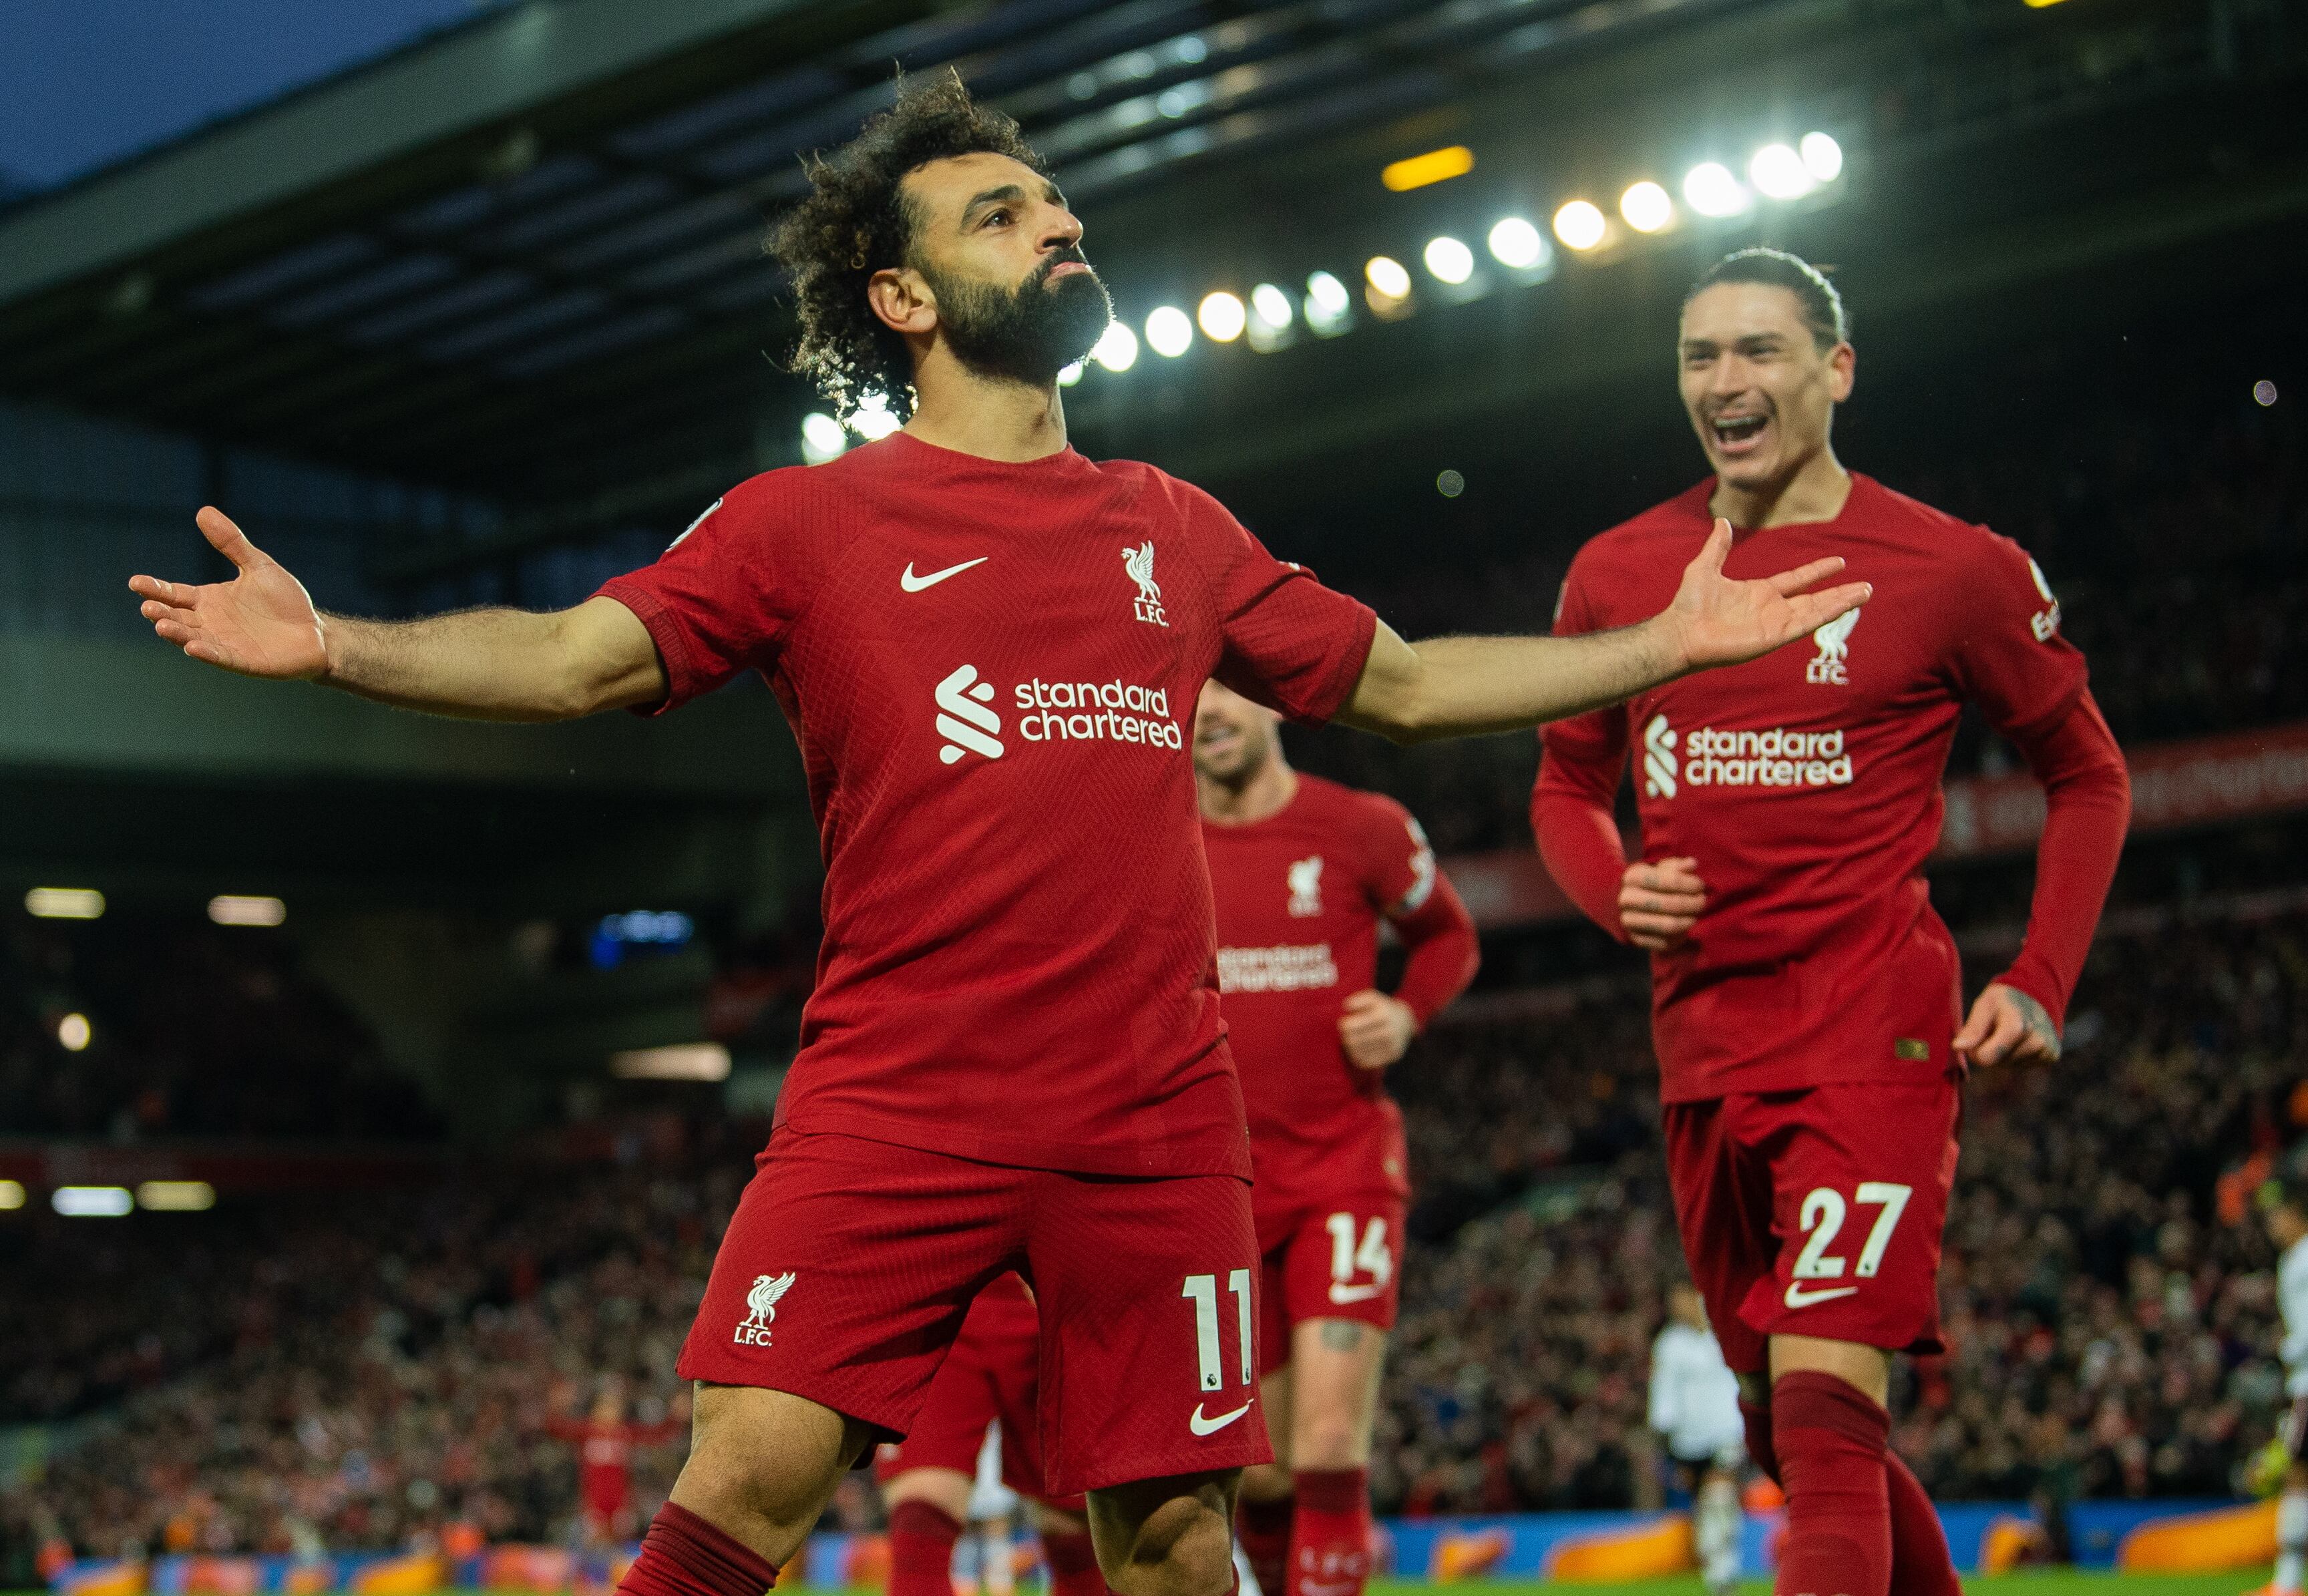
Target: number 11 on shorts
x=1203, y=1292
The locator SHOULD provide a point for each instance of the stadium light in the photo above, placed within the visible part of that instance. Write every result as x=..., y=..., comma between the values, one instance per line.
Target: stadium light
x=1117, y=349
x=1068, y=375
x=73, y=1032
x=230, y=909
x=823, y=438
x=1823, y=157
x=1646, y=207
x=1436, y=166
x=1580, y=225
x=1329, y=310
x=91, y=1202
x=1271, y=306
x=64, y=903
x=1387, y=276
x=1710, y=189
x=1168, y=333
x=1222, y=316
x=12, y=1194
x=687, y=1061
x=1449, y=260
x=873, y=420
x=1779, y=173
x=176, y=1197
x=1518, y=245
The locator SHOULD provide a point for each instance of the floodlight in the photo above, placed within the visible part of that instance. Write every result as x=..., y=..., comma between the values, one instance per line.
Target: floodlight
x=73, y=1033
x=12, y=1194
x=1329, y=308
x=1517, y=245
x=231, y=909
x=1710, y=189
x=1168, y=333
x=873, y=420
x=1823, y=157
x=64, y=903
x=1646, y=207
x=176, y=1197
x=1449, y=260
x=91, y=1202
x=1387, y=276
x=822, y=438
x=1436, y=166
x=1580, y=225
x=1779, y=173
x=1222, y=316
x=1272, y=306
x=1068, y=375
x=1117, y=349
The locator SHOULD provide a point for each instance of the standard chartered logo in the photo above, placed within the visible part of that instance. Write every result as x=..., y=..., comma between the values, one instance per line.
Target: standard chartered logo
x=1658, y=758
x=1778, y=757
x=964, y=721
x=1113, y=712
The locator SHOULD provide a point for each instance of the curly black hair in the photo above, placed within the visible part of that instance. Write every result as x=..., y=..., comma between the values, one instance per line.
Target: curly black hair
x=856, y=222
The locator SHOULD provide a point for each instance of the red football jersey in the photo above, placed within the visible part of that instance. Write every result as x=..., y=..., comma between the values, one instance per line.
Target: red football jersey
x=990, y=667
x=1806, y=784
x=1300, y=895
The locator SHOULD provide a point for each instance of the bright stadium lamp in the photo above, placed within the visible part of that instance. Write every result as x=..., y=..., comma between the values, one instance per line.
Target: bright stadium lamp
x=64, y=903
x=822, y=438
x=73, y=1032
x=1710, y=189
x=1779, y=173
x=1580, y=225
x=873, y=420
x=1069, y=375
x=1270, y=307
x=1517, y=245
x=1449, y=260
x=1646, y=207
x=1823, y=157
x=1222, y=316
x=1387, y=276
x=1118, y=348
x=1168, y=333
x=12, y=1194
x=1329, y=310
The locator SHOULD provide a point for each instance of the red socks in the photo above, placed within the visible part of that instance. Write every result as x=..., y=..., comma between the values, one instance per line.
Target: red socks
x=1760, y=1450
x=1329, y=1534
x=1073, y=1565
x=921, y=1549
x=1831, y=1442
x=683, y=1556
x=1920, y=1563
x=1263, y=1531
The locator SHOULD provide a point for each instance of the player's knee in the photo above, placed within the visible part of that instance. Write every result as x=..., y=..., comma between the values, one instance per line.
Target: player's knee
x=1328, y=1441
x=1267, y=1482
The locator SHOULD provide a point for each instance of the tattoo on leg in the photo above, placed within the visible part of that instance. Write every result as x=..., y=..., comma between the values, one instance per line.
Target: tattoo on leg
x=1341, y=1336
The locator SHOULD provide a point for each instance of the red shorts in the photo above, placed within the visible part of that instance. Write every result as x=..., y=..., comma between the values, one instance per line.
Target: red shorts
x=1816, y=1211
x=992, y=1372
x=1336, y=1258
x=849, y=1266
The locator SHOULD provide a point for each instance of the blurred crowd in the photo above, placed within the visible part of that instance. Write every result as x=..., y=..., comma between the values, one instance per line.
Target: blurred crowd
x=370, y=1371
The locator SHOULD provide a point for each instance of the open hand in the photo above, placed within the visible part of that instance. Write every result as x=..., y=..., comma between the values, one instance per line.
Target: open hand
x=1659, y=902
x=1375, y=1029
x=260, y=622
x=1717, y=621
x=2007, y=1026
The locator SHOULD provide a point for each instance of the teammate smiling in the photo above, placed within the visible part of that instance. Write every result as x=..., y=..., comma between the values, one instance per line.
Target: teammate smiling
x=1805, y=997
x=1008, y=922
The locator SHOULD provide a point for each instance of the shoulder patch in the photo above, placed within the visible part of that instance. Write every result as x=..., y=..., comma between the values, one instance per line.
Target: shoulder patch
x=700, y=521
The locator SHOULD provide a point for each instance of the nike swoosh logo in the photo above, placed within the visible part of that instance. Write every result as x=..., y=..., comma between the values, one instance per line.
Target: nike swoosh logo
x=1799, y=1298
x=1342, y=1295
x=1202, y=1426
x=914, y=584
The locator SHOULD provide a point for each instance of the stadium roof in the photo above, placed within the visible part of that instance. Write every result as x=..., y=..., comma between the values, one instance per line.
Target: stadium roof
x=521, y=257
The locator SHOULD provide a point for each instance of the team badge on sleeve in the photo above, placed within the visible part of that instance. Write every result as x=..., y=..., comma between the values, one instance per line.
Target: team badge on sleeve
x=2044, y=623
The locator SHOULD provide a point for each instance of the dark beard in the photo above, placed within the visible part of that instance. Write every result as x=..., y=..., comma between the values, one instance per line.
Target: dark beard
x=1030, y=334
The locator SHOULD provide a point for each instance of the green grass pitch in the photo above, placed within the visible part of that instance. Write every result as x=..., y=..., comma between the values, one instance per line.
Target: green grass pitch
x=2050, y=1582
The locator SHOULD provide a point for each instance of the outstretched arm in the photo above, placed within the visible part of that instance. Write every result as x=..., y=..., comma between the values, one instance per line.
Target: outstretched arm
x=482, y=664
x=1464, y=687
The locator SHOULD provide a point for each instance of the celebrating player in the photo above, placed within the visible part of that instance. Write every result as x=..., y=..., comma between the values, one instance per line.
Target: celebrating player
x=986, y=645
x=989, y=1378
x=604, y=1442
x=1302, y=870
x=1804, y=995
x=1694, y=1407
